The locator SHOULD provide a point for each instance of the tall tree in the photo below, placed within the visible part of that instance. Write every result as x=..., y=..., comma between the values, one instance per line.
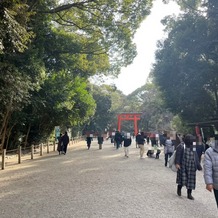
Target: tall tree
x=102, y=116
x=155, y=115
x=15, y=85
x=186, y=64
x=109, y=26
x=14, y=17
x=42, y=39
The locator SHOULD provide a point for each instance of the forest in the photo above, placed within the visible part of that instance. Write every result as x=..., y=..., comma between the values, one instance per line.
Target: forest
x=50, y=49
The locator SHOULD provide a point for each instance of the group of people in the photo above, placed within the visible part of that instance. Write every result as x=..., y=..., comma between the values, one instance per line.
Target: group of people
x=187, y=158
x=124, y=140
x=63, y=141
x=89, y=139
x=118, y=139
x=187, y=163
x=141, y=140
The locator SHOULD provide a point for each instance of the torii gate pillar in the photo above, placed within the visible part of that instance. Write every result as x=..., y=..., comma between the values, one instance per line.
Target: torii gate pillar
x=129, y=116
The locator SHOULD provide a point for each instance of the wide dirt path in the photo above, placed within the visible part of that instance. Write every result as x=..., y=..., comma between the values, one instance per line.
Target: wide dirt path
x=98, y=184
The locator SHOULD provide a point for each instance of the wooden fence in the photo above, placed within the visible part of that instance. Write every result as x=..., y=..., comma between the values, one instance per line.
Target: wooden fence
x=31, y=151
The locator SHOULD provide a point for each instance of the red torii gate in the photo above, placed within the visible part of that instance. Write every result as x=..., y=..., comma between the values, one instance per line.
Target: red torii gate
x=129, y=116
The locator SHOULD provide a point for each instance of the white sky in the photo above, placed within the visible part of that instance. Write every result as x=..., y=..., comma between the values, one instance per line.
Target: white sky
x=151, y=30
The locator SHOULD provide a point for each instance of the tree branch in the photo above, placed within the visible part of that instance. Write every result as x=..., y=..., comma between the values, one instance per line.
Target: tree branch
x=67, y=7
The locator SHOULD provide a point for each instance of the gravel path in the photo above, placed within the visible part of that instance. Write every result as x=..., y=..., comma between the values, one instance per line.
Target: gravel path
x=98, y=184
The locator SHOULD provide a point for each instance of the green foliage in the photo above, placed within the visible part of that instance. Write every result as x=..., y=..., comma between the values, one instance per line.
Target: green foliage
x=48, y=50
x=109, y=26
x=180, y=127
x=102, y=118
x=189, y=5
x=14, y=35
x=62, y=101
x=14, y=95
x=185, y=68
x=146, y=100
x=155, y=115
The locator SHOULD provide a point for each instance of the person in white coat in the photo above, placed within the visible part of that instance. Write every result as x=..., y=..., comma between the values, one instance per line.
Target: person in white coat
x=211, y=170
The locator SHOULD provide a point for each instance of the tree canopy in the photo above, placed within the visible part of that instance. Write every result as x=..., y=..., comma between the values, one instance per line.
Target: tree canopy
x=49, y=49
x=186, y=62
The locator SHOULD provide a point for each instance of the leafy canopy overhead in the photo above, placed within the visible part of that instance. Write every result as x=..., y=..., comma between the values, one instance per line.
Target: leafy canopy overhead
x=47, y=43
x=102, y=26
x=186, y=63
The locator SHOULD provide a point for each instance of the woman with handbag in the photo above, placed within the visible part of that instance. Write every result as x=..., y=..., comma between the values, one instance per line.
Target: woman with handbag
x=187, y=163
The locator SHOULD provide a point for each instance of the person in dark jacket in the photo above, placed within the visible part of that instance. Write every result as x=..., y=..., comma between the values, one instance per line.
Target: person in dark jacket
x=100, y=141
x=162, y=138
x=118, y=139
x=148, y=139
x=65, y=140
x=127, y=143
x=141, y=143
x=153, y=141
x=187, y=163
x=60, y=144
x=137, y=138
x=88, y=141
x=200, y=148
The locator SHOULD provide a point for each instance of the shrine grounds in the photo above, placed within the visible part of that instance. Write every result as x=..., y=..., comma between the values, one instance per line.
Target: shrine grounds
x=98, y=184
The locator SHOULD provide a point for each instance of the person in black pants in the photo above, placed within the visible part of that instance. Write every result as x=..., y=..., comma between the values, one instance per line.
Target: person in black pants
x=60, y=144
x=65, y=141
x=89, y=141
x=118, y=139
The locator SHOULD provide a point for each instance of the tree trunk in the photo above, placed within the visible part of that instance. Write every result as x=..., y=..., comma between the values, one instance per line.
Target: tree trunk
x=9, y=134
x=3, y=130
x=27, y=135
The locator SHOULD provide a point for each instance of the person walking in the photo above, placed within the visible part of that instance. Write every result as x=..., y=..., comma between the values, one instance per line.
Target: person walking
x=163, y=139
x=65, y=140
x=60, y=144
x=126, y=144
x=118, y=139
x=168, y=149
x=200, y=148
x=211, y=170
x=148, y=138
x=100, y=141
x=141, y=144
x=136, y=139
x=88, y=141
x=187, y=163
